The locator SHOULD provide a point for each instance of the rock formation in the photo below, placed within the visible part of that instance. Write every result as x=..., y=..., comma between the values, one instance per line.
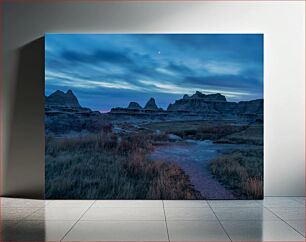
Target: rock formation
x=135, y=108
x=64, y=115
x=151, y=105
x=249, y=107
x=63, y=112
x=198, y=102
x=61, y=99
x=134, y=105
x=215, y=104
x=210, y=97
x=194, y=107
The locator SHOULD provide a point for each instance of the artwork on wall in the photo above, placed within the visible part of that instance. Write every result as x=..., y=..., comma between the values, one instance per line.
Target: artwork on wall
x=154, y=116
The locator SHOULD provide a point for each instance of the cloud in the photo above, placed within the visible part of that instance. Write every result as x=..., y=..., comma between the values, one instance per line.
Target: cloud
x=162, y=87
x=221, y=46
x=179, y=68
x=62, y=79
x=230, y=81
x=134, y=65
x=222, y=68
x=97, y=56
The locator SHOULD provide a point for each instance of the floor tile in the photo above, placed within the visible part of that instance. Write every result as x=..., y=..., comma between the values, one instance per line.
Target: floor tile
x=22, y=203
x=16, y=213
x=289, y=213
x=124, y=214
x=7, y=227
x=39, y=230
x=298, y=225
x=4, y=224
x=189, y=214
x=57, y=213
x=196, y=231
x=185, y=203
x=281, y=202
x=261, y=231
x=140, y=220
x=70, y=203
x=128, y=203
x=244, y=214
x=118, y=231
x=300, y=200
x=234, y=203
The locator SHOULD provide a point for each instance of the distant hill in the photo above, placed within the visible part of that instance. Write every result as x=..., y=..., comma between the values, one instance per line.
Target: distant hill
x=63, y=111
x=215, y=104
x=151, y=105
x=197, y=106
x=61, y=99
x=64, y=114
x=134, y=107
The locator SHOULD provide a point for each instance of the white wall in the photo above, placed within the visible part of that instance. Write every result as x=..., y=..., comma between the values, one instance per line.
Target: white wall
x=283, y=25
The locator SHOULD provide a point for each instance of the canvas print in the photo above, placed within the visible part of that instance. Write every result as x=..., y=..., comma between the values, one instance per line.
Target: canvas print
x=154, y=116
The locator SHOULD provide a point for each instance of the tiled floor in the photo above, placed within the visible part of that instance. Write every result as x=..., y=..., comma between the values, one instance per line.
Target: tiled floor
x=274, y=219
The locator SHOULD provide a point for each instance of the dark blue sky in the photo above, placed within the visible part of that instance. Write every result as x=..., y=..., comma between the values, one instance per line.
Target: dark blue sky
x=110, y=70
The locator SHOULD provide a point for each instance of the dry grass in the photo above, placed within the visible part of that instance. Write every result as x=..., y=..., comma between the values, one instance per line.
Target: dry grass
x=198, y=130
x=253, y=187
x=241, y=171
x=216, y=132
x=253, y=134
x=106, y=166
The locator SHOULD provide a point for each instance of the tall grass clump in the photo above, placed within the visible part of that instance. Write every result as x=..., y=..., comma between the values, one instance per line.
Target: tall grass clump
x=242, y=171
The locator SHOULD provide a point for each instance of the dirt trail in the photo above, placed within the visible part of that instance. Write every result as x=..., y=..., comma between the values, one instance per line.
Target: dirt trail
x=194, y=158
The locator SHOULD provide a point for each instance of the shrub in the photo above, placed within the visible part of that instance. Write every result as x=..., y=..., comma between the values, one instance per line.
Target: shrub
x=241, y=171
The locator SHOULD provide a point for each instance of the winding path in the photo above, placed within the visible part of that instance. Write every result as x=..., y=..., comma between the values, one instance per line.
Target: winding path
x=194, y=158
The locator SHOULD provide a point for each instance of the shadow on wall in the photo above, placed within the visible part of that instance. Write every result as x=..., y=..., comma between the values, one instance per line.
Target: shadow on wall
x=28, y=230
x=26, y=149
